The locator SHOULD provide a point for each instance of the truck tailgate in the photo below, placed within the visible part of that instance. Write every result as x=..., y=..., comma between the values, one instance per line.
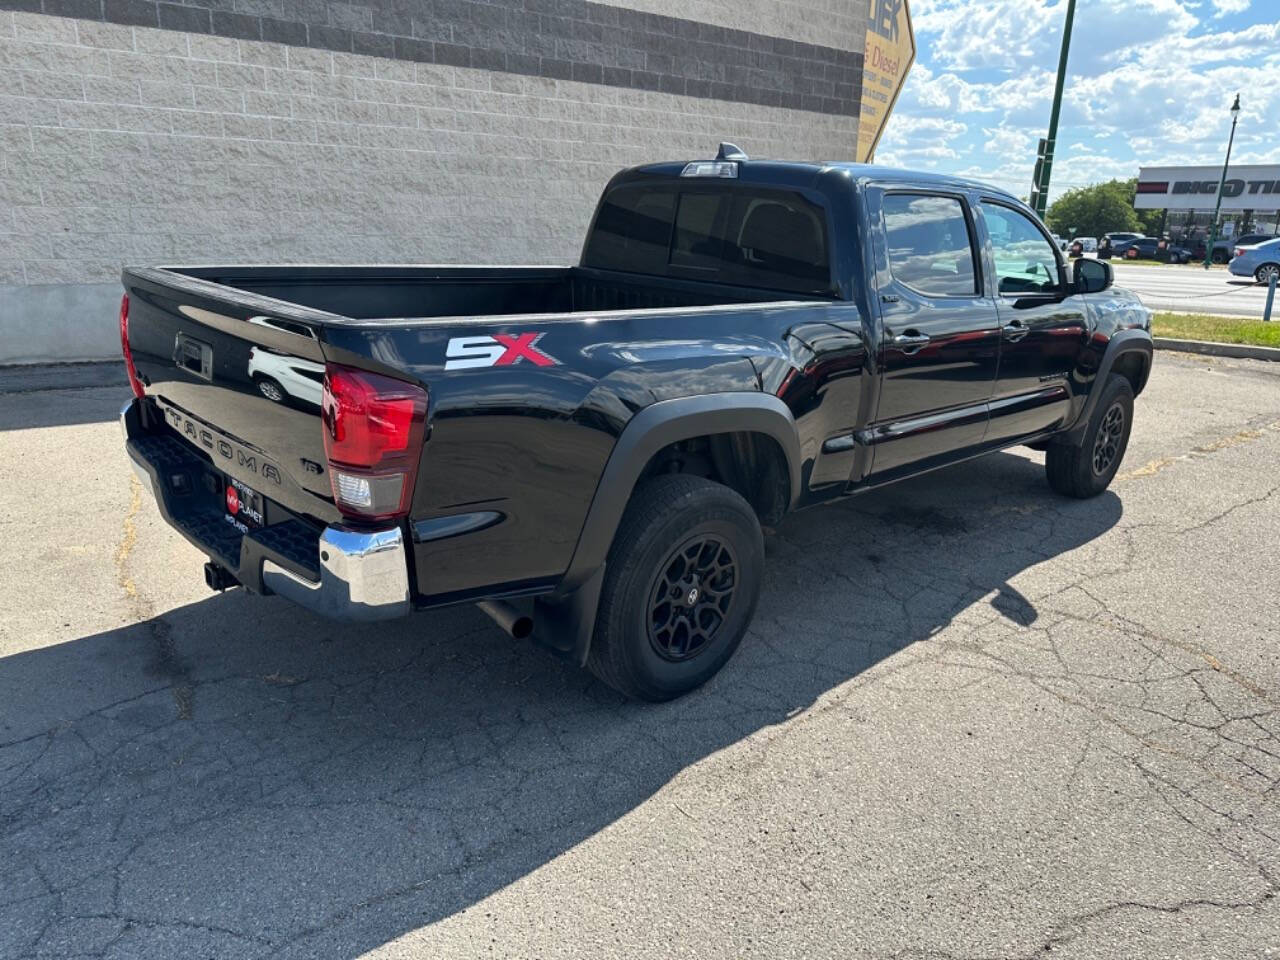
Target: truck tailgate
x=240, y=377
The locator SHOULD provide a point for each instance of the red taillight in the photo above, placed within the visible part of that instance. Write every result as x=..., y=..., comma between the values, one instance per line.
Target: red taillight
x=373, y=430
x=124, y=347
x=1239, y=251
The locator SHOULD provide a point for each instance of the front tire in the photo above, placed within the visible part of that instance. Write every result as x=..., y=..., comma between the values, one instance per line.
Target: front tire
x=1086, y=470
x=680, y=588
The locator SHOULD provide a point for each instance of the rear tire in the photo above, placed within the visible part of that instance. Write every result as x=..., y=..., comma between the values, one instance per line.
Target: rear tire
x=682, y=538
x=1265, y=272
x=271, y=389
x=1086, y=470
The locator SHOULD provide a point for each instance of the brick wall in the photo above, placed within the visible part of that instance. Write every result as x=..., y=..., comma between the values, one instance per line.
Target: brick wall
x=126, y=144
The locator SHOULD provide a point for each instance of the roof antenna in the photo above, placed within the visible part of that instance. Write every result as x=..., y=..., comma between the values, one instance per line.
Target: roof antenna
x=730, y=151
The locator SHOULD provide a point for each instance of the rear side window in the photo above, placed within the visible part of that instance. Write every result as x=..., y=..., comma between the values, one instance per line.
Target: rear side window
x=930, y=247
x=632, y=231
x=772, y=239
x=782, y=240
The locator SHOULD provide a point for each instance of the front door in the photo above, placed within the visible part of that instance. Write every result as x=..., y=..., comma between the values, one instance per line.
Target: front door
x=940, y=335
x=1043, y=325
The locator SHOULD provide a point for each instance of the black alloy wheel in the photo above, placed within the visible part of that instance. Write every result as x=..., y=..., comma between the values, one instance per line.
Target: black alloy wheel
x=1109, y=438
x=691, y=597
x=1083, y=468
x=680, y=587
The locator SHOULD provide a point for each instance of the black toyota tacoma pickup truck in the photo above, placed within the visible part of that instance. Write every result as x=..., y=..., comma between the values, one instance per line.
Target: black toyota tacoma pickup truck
x=590, y=452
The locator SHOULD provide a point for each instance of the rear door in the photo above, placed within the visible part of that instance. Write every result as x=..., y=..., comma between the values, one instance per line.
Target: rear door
x=1043, y=324
x=940, y=336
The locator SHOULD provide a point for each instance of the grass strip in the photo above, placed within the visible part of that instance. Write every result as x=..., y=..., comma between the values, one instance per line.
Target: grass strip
x=1199, y=326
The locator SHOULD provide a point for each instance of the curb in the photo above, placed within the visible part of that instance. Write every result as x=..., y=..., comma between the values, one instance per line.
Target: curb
x=30, y=377
x=1240, y=351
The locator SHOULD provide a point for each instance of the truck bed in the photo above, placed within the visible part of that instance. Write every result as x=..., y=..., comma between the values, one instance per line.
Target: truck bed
x=233, y=359
x=430, y=292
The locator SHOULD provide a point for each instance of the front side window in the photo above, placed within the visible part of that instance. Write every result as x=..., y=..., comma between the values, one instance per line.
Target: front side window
x=930, y=249
x=1025, y=261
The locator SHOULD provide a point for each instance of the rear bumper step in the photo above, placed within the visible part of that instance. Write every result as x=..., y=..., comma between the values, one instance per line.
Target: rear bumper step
x=342, y=574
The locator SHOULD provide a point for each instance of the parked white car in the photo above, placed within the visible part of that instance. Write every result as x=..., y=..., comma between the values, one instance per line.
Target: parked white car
x=280, y=377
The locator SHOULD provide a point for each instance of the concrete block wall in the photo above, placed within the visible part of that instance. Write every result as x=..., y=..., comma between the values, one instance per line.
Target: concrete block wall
x=130, y=144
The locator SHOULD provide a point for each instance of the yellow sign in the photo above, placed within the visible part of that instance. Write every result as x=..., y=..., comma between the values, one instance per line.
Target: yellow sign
x=890, y=50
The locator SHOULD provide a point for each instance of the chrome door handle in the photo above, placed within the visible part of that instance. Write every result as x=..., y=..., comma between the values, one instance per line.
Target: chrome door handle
x=910, y=342
x=1013, y=332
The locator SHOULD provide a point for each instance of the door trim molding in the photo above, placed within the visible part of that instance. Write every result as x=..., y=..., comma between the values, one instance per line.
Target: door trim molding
x=913, y=426
x=897, y=429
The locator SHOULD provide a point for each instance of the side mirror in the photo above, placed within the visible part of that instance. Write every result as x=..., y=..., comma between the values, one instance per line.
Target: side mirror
x=1092, y=276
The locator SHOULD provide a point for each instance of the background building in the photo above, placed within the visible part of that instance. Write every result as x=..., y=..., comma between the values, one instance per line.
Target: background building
x=1250, y=199
x=136, y=131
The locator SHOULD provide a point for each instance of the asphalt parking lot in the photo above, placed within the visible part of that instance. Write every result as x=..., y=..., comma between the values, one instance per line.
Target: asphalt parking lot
x=971, y=720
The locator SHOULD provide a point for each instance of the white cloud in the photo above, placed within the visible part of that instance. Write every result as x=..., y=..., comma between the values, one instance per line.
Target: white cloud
x=1016, y=34
x=966, y=36
x=1224, y=7
x=1149, y=81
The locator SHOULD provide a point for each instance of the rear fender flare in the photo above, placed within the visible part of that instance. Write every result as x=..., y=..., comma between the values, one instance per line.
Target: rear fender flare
x=653, y=428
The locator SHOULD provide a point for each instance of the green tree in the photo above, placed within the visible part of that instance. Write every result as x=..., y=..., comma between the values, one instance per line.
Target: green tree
x=1094, y=210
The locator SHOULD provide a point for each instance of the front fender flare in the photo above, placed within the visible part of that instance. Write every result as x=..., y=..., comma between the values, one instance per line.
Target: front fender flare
x=1122, y=342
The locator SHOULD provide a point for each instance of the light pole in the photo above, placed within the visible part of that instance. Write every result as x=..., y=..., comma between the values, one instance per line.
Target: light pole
x=1213, y=227
x=1044, y=163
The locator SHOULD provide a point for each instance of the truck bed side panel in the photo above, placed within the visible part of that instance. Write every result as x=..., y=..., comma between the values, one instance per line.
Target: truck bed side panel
x=520, y=448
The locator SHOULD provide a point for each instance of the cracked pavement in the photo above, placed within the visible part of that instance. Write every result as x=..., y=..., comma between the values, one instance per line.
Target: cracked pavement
x=971, y=720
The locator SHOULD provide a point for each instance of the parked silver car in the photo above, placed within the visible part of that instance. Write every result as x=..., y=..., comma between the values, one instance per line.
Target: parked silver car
x=1260, y=261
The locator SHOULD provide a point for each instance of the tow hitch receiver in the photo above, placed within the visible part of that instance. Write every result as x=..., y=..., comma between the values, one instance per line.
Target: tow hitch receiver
x=219, y=578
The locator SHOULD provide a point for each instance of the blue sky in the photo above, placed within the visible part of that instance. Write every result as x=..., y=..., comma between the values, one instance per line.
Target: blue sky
x=1149, y=82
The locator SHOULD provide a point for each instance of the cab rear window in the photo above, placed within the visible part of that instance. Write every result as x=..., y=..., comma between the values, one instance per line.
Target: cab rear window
x=773, y=239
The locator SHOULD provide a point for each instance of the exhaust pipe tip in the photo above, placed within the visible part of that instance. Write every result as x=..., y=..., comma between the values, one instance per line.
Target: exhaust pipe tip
x=516, y=624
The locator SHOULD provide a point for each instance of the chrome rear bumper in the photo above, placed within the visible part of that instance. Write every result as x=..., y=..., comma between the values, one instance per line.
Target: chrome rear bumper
x=363, y=574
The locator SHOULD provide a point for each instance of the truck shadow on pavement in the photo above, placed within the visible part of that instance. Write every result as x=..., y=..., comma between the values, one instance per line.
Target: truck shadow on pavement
x=237, y=778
